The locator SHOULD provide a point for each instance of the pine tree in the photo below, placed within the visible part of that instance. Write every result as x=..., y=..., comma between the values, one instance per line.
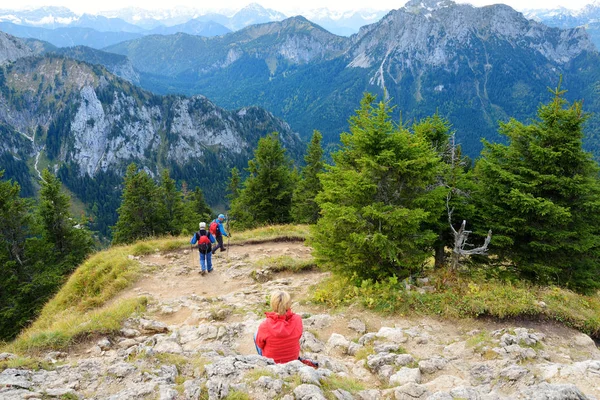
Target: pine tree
x=540, y=195
x=304, y=207
x=140, y=210
x=267, y=192
x=377, y=199
x=171, y=204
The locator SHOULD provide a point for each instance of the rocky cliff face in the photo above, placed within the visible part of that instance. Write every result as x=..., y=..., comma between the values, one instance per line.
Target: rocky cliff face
x=430, y=34
x=195, y=342
x=111, y=122
x=12, y=48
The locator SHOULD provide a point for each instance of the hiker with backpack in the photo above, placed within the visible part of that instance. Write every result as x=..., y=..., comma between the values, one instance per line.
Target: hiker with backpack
x=278, y=336
x=203, y=239
x=217, y=230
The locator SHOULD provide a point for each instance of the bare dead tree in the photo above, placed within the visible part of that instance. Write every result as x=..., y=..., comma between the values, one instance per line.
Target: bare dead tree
x=460, y=241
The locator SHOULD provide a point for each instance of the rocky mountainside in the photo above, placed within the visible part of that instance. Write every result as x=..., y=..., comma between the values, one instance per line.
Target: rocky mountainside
x=115, y=63
x=293, y=41
x=89, y=125
x=474, y=65
x=194, y=341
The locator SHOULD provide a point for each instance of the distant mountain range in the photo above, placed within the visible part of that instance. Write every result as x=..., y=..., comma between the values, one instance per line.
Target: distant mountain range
x=475, y=66
x=587, y=17
x=61, y=27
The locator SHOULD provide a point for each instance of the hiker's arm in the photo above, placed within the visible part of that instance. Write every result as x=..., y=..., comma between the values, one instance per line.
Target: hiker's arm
x=194, y=240
x=222, y=230
x=261, y=339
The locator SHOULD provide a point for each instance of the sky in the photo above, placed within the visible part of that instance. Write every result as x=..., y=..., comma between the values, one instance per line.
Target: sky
x=287, y=6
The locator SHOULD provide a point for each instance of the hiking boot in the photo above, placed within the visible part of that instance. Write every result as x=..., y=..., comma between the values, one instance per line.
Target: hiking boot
x=203, y=272
x=223, y=249
x=210, y=270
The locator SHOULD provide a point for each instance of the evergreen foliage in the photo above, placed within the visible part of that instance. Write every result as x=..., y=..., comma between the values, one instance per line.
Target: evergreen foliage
x=39, y=247
x=140, y=211
x=196, y=210
x=540, y=195
x=266, y=196
x=233, y=186
x=378, y=198
x=70, y=241
x=437, y=131
x=171, y=202
x=304, y=207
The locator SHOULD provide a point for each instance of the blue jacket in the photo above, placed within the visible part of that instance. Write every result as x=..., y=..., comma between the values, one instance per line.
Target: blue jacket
x=195, y=237
x=220, y=226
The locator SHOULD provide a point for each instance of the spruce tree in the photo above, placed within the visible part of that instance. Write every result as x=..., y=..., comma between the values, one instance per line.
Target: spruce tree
x=15, y=222
x=267, y=192
x=304, y=206
x=378, y=198
x=453, y=179
x=171, y=202
x=233, y=186
x=70, y=239
x=196, y=210
x=540, y=196
x=140, y=210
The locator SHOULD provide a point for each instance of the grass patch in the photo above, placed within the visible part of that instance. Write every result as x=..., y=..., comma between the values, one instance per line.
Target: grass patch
x=271, y=233
x=364, y=352
x=30, y=363
x=69, y=327
x=334, y=382
x=255, y=374
x=237, y=395
x=466, y=298
x=286, y=263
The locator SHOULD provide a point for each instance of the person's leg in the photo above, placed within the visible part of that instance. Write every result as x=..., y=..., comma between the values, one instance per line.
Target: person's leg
x=258, y=349
x=209, y=261
x=219, y=244
x=202, y=262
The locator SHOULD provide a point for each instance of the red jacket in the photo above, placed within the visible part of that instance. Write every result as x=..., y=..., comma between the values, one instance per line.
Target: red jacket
x=279, y=336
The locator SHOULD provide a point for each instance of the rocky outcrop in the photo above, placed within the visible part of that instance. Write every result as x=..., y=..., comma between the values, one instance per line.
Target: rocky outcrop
x=207, y=351
x=12, y=48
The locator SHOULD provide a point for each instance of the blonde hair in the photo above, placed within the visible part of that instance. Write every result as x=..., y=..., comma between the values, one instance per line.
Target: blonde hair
x=281, y=301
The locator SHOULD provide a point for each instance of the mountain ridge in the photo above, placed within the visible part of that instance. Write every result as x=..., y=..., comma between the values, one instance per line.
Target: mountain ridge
x=476, y=65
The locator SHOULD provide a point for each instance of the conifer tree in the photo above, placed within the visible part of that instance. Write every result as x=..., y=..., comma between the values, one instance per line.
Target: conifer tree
x=377, y=198
x=15, y=223
x=267, y=192
x=140, y=210
x=233, y=186
x=453, y=178
x=70, y=239
x=196, y=210
x=540, y=196
x=304, y=206
x=171, y=203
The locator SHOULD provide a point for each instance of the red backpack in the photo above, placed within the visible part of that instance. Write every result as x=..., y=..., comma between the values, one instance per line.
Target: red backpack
x=213, y=228
x=204, y=244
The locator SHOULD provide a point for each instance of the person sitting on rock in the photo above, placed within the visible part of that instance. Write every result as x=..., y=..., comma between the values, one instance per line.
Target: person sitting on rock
x=278, y=336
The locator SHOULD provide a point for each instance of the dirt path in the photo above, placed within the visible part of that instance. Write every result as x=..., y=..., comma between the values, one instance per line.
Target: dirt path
x=201, y=327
